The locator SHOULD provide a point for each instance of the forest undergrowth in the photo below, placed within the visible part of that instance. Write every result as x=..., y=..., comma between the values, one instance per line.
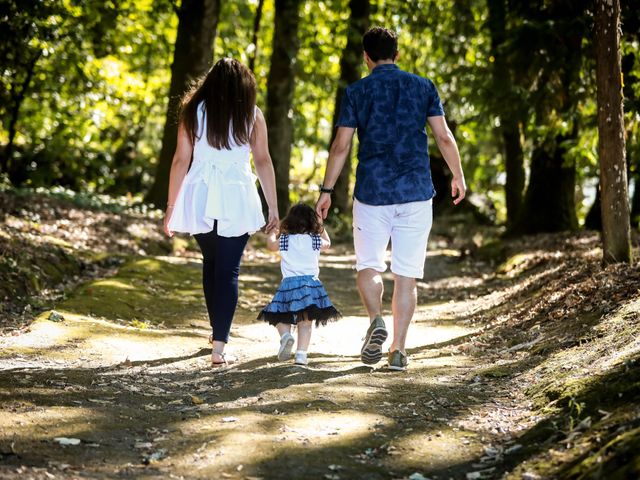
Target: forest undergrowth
x=525, y=361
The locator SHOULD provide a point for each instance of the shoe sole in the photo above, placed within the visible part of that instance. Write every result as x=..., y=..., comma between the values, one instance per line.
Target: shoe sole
x=285, y=350
x=371, y=352
x=396, y=369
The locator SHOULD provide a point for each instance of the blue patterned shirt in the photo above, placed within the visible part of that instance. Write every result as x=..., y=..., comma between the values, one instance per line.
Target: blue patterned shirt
x=389, y=108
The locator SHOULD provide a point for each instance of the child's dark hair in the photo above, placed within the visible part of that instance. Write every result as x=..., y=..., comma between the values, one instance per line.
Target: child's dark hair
x=301, y=219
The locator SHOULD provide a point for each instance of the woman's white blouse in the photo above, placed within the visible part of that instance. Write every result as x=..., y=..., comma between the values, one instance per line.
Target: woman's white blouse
x=220, y=185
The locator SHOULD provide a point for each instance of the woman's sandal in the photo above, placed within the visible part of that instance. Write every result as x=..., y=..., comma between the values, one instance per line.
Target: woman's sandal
x=225, y=360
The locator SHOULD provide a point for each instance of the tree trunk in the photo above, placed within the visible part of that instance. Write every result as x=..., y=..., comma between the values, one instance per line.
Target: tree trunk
x=507, y=110
x=635, y=202
x=350, y=71
x=549, y=204
x=593, y=220
x=18, y=96
x=514, y=167
x=254, y=37
x=280, y=88
x=616, y=234
x=192, y=57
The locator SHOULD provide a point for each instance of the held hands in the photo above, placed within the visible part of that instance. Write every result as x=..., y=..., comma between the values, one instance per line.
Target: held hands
x=458, y=189
x=273, y=222
x=323, y=205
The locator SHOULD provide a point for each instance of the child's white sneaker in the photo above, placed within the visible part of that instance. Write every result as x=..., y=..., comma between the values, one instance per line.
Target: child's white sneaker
x=301, y=357
x=286, y=345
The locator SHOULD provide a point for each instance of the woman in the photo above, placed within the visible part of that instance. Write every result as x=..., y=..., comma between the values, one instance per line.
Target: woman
x=215, y=199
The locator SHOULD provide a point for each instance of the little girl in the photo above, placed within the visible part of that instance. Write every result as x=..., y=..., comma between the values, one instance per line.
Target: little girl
x=301, y=298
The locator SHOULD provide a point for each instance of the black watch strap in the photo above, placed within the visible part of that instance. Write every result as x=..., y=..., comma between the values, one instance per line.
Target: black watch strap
x=324, y=189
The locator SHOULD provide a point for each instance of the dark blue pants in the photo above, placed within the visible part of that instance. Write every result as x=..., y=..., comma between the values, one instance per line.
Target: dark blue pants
x=220, y=270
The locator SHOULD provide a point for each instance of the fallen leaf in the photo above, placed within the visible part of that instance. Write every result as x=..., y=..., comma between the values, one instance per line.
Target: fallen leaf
x=155, y=456
x=417, y=476
x=101, y=402
x=55, y=316
x=67, y=441
x=513, y=448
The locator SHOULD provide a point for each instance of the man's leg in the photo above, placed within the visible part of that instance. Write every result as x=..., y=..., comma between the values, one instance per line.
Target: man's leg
x=371, y=233
x=403, y=305
x=371, y=288
x=409, y=236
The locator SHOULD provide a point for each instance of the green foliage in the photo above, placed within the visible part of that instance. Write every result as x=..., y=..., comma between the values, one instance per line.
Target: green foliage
x=83, y=84
x=93, y=111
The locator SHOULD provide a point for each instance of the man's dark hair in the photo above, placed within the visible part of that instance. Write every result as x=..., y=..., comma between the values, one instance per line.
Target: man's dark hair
x=380, y=43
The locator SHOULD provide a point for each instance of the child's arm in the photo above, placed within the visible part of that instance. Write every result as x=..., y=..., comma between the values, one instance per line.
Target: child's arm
x=273, y=241
x=325, y=241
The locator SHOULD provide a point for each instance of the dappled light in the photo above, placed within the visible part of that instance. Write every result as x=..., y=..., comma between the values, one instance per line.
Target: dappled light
x=436, y=203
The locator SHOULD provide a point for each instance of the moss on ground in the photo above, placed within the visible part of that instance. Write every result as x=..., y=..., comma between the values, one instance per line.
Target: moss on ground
x=588, y=401
x=143, y=291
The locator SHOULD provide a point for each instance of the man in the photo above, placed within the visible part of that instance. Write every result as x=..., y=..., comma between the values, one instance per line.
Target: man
x=393, y=189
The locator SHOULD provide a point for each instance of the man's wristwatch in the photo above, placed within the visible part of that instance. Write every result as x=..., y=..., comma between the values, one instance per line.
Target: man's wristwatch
x=324, y=189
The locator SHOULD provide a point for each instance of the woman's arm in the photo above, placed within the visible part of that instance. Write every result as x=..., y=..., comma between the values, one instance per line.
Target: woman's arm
x=273, y=241
x=179, y=168
x=264, y=169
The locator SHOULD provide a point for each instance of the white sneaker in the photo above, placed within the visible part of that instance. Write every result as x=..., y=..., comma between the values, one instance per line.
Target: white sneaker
x=301, y=358
x=286, y=345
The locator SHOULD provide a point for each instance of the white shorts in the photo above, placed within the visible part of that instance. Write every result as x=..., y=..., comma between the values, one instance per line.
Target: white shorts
x=406, y=224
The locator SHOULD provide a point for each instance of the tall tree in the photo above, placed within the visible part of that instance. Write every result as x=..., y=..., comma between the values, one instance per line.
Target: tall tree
x=507, y=108
x=350, y=71
x=548, y=46
x=616, y=233
x=254, y=38
x=192, y=56
x=280, y=88
x=549, y=203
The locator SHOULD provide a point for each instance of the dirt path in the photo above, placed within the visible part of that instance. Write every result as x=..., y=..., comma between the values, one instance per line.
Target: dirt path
x=124, y=374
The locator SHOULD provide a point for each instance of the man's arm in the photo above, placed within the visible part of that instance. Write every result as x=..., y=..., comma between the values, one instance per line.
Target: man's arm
x=337, y=156
x=449, y=149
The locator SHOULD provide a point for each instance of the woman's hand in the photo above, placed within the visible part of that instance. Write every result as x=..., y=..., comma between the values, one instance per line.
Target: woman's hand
x=167, y=217
x=273, y=222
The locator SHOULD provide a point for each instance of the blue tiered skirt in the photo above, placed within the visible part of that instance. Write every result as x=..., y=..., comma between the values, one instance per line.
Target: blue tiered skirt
x=296, y=297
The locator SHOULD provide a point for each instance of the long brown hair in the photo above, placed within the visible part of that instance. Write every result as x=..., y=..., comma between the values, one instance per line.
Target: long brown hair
x=228, y=91
x=301, y=219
